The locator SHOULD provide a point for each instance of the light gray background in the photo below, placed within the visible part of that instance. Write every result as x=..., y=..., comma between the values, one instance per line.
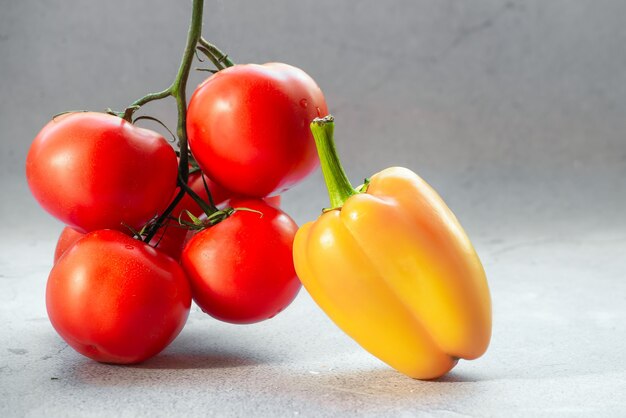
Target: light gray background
x=514, y=111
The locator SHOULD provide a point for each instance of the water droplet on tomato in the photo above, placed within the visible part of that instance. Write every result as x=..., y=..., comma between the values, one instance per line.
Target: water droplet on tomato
x=304, y=103
x=129, y=247
x=319, y=112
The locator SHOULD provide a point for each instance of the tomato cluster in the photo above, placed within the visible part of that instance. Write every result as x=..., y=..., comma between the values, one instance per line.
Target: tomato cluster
x=124, y=273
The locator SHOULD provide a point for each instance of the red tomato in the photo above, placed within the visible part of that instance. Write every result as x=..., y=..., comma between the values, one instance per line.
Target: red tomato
x=248, y=127
x=68, y=237
x=170, y=239
x=115, y=299
x=241, y=270
x=95, y=171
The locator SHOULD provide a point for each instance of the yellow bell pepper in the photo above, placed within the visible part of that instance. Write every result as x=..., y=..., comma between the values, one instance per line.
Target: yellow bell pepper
x=390, y=264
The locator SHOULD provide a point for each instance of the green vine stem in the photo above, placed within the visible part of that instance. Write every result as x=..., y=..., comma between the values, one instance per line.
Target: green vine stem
x=178, y=91
x=211, y=58
x=211, y=50
x=337, y=183
x=179, y=87
x=208, y=209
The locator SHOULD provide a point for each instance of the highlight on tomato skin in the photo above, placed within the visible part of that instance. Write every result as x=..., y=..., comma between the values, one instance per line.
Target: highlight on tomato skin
x=241, y=270
x=248, y=127
x=96, y=171
x=122, y=306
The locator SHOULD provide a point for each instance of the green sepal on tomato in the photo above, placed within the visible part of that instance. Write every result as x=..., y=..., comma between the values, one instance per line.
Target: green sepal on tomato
x=248, y=127
x=115, y=299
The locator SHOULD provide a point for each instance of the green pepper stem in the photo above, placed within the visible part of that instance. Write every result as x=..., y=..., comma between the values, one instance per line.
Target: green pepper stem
x=337, y=183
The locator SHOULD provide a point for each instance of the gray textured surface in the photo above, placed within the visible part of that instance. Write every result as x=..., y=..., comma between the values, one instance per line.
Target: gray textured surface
x=557, y=349
x=513, y=110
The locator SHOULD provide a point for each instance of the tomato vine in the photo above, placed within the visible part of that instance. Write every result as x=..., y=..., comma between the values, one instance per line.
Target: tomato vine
x=134, y=180
x=177, y=90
